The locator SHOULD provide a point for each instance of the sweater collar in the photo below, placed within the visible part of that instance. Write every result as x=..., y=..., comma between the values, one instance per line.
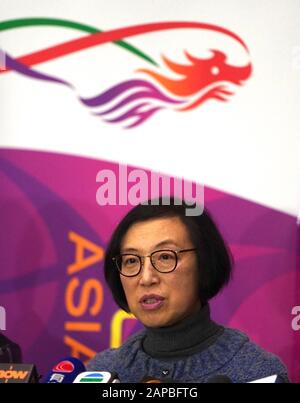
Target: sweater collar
x=193, y=334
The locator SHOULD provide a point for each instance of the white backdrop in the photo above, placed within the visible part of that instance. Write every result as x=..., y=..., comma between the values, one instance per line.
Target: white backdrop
x=248, y=146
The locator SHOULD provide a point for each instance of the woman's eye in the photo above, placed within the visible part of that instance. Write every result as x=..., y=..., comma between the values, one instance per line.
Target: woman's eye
x=130, y=261
x=165, y=256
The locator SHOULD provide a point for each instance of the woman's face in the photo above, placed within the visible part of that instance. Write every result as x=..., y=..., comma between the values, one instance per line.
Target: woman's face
x=161, y=299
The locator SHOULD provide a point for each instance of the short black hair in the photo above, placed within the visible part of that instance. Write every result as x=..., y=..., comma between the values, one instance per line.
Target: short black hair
x=214, y=258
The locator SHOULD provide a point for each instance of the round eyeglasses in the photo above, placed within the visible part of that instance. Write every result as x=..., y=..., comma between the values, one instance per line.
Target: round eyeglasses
x=164, y=261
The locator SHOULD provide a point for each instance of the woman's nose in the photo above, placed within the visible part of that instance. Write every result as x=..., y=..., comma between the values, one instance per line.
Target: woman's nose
x=148, y=273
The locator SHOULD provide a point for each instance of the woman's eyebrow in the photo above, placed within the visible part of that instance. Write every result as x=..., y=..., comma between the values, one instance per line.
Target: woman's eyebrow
x=158, y=245
x=166, y=242
x=125, y=250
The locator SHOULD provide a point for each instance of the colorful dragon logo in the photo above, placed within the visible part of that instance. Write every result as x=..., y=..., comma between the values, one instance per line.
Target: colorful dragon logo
x=134, y=101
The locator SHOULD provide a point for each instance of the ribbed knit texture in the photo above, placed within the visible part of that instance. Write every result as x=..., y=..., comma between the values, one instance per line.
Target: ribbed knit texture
x=192, y=335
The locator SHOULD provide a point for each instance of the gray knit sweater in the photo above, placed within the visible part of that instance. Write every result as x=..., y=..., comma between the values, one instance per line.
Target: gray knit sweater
x=221, y=352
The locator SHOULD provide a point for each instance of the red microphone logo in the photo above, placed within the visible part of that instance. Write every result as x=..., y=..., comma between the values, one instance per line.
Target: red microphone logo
x=64, y=366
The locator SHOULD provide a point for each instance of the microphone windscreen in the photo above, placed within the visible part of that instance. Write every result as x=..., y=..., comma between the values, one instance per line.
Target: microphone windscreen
x=10, y=352
x=18, y=373
x=97, y=377
x=153, y=379
x=65, y=371
x=150, y=379
x=219, y=379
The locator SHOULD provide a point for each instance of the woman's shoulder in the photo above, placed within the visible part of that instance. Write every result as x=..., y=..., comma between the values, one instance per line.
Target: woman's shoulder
x=109, y=359
x=245, y=346
x=251, y=359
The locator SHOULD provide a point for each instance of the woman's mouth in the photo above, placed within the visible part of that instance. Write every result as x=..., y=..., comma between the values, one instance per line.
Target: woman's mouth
x=151, y=302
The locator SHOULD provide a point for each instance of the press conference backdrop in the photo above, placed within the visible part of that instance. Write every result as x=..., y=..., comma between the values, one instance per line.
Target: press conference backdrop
x=96, y=92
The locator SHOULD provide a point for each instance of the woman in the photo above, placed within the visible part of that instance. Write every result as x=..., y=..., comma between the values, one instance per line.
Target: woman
x=164, y=266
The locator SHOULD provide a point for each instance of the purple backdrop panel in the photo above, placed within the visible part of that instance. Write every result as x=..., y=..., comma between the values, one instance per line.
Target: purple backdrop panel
x=50, y=221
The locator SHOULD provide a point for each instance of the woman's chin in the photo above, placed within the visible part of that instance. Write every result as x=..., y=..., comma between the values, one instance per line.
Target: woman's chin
x=150, y=320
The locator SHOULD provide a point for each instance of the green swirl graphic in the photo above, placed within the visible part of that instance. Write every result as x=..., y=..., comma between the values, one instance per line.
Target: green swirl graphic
x=29, y=22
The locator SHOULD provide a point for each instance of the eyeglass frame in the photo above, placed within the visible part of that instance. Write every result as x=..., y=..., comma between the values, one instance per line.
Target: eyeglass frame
x=142, y=258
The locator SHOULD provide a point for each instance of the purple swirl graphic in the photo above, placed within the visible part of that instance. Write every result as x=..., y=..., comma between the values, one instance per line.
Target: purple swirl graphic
x=143, y=90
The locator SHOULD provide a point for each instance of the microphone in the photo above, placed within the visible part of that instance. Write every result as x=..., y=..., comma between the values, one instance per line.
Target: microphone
x=225, y=379
x=65, y=371
x=18, y=373
x=150, y=379
x=219, y=379
x=10, y=352
x=153, y=379
x=97, y=377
